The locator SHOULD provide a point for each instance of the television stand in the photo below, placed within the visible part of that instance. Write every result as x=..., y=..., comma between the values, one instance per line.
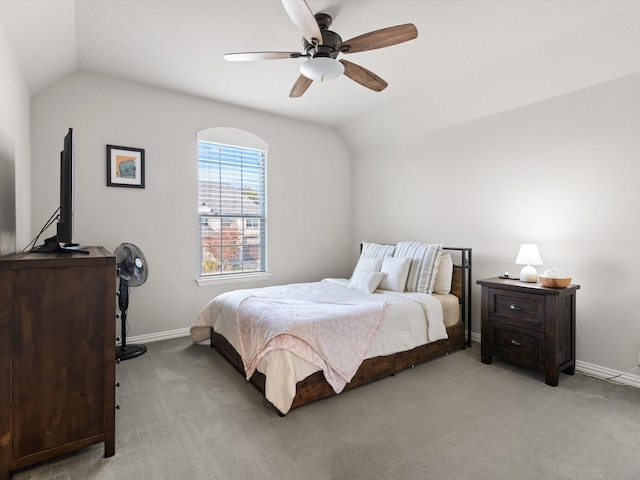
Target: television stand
x=51, y=245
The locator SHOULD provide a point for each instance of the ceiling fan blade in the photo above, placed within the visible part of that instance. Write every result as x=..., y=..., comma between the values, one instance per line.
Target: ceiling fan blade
x=300, y=86
x=253, y=56
x=364, y=77
x=380, y=38
x=302, y=17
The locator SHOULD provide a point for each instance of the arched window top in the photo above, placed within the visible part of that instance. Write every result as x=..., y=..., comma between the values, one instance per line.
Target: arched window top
x=232, y=136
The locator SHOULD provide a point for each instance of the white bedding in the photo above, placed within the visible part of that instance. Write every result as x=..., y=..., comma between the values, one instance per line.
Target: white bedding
x=411, y=319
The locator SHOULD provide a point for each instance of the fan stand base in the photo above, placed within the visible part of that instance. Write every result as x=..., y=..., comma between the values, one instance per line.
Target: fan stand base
x=130, y=351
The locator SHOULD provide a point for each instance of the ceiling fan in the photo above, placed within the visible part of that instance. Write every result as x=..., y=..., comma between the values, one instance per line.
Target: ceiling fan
x=322, y=47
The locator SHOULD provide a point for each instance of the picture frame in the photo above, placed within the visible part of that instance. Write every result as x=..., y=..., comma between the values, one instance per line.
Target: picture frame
x=125, y=167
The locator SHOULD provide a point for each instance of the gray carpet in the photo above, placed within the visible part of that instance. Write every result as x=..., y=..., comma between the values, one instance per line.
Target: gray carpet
x=187, y=414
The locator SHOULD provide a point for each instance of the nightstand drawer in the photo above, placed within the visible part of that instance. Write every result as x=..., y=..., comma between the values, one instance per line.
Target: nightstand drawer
x=517, y=346
x=517, y=309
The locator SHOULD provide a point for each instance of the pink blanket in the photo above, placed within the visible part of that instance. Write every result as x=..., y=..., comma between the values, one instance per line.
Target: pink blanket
x=333, y=336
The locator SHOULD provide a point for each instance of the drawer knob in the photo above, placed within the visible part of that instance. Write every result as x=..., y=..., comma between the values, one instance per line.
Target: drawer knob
x=515, y=342
x=514, y=307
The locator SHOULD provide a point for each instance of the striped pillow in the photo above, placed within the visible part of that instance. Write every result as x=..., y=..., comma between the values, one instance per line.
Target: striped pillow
x=376, y=250
x=424, y=260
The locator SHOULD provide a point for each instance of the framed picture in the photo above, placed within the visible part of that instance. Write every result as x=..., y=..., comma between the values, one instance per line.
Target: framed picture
x=125, y=167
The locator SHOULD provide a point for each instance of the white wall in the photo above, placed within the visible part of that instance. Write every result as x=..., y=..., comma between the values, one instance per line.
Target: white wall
x=562, y=173
x=15, y=153
x=309, y=168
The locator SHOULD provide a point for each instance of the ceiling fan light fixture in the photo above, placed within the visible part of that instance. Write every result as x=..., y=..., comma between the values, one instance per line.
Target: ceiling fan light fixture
x=322, y=68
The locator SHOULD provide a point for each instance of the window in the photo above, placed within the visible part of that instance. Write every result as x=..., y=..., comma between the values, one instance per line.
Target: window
x=232, y=209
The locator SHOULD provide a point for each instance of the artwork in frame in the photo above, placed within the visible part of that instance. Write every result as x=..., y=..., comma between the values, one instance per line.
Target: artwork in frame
x=125, y=167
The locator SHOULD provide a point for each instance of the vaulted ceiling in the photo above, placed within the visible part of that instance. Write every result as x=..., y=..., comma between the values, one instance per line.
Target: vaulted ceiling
x=471, y=58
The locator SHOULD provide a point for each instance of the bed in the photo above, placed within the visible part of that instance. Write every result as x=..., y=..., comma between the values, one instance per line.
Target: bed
x=383, y=312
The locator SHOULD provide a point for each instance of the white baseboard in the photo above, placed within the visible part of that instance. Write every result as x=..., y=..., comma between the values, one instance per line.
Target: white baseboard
x=603, y=373
x=624, y=378
x=475, y=337
x=597, y=371
x=156, y=337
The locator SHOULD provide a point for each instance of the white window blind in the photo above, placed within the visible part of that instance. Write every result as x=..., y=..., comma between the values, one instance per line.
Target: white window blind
x=232, y=209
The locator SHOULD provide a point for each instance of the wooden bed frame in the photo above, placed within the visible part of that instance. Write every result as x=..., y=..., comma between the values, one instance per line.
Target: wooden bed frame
x=315, y=386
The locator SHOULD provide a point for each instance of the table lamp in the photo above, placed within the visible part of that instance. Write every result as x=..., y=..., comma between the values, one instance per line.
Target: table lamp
x=528, y=256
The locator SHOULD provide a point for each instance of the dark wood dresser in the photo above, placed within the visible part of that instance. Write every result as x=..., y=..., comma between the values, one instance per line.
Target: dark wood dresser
x=530, y=325
x=57, y=355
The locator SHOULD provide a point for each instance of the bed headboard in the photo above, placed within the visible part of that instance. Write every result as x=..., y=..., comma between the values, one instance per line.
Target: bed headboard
x=461, y=284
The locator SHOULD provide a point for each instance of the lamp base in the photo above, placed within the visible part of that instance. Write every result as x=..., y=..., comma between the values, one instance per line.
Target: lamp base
x=528, y=274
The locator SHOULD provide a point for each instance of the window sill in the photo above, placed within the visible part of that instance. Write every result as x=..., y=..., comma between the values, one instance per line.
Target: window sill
x=234, y=278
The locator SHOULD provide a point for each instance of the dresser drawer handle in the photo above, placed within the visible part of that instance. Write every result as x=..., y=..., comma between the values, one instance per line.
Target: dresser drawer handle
x=514, y=307
x=516, y=343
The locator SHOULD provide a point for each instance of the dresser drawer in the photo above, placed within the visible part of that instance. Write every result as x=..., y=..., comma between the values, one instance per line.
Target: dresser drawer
x=517, y=309
x=517, y=346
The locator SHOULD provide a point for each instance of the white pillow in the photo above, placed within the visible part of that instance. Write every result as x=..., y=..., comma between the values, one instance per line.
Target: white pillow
x=444, y=275
x=366, y=282
x=376, y=250
x=424, y=258
x=367, y=265
x=397, y=270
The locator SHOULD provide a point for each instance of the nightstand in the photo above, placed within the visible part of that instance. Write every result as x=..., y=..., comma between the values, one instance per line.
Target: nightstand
x=530, y=325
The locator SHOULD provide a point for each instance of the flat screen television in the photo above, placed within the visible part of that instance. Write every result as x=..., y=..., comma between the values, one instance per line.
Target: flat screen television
x=62, y=242
x=65, y=220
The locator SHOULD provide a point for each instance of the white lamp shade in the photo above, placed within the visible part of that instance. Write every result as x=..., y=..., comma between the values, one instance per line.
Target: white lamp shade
x=322, y=68
x=529, y=255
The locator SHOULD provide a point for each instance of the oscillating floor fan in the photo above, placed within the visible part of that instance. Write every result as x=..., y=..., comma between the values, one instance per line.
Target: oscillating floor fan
x=131, y=267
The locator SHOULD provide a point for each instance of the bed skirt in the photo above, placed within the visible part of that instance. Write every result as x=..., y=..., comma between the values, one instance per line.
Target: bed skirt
x=315, y=387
